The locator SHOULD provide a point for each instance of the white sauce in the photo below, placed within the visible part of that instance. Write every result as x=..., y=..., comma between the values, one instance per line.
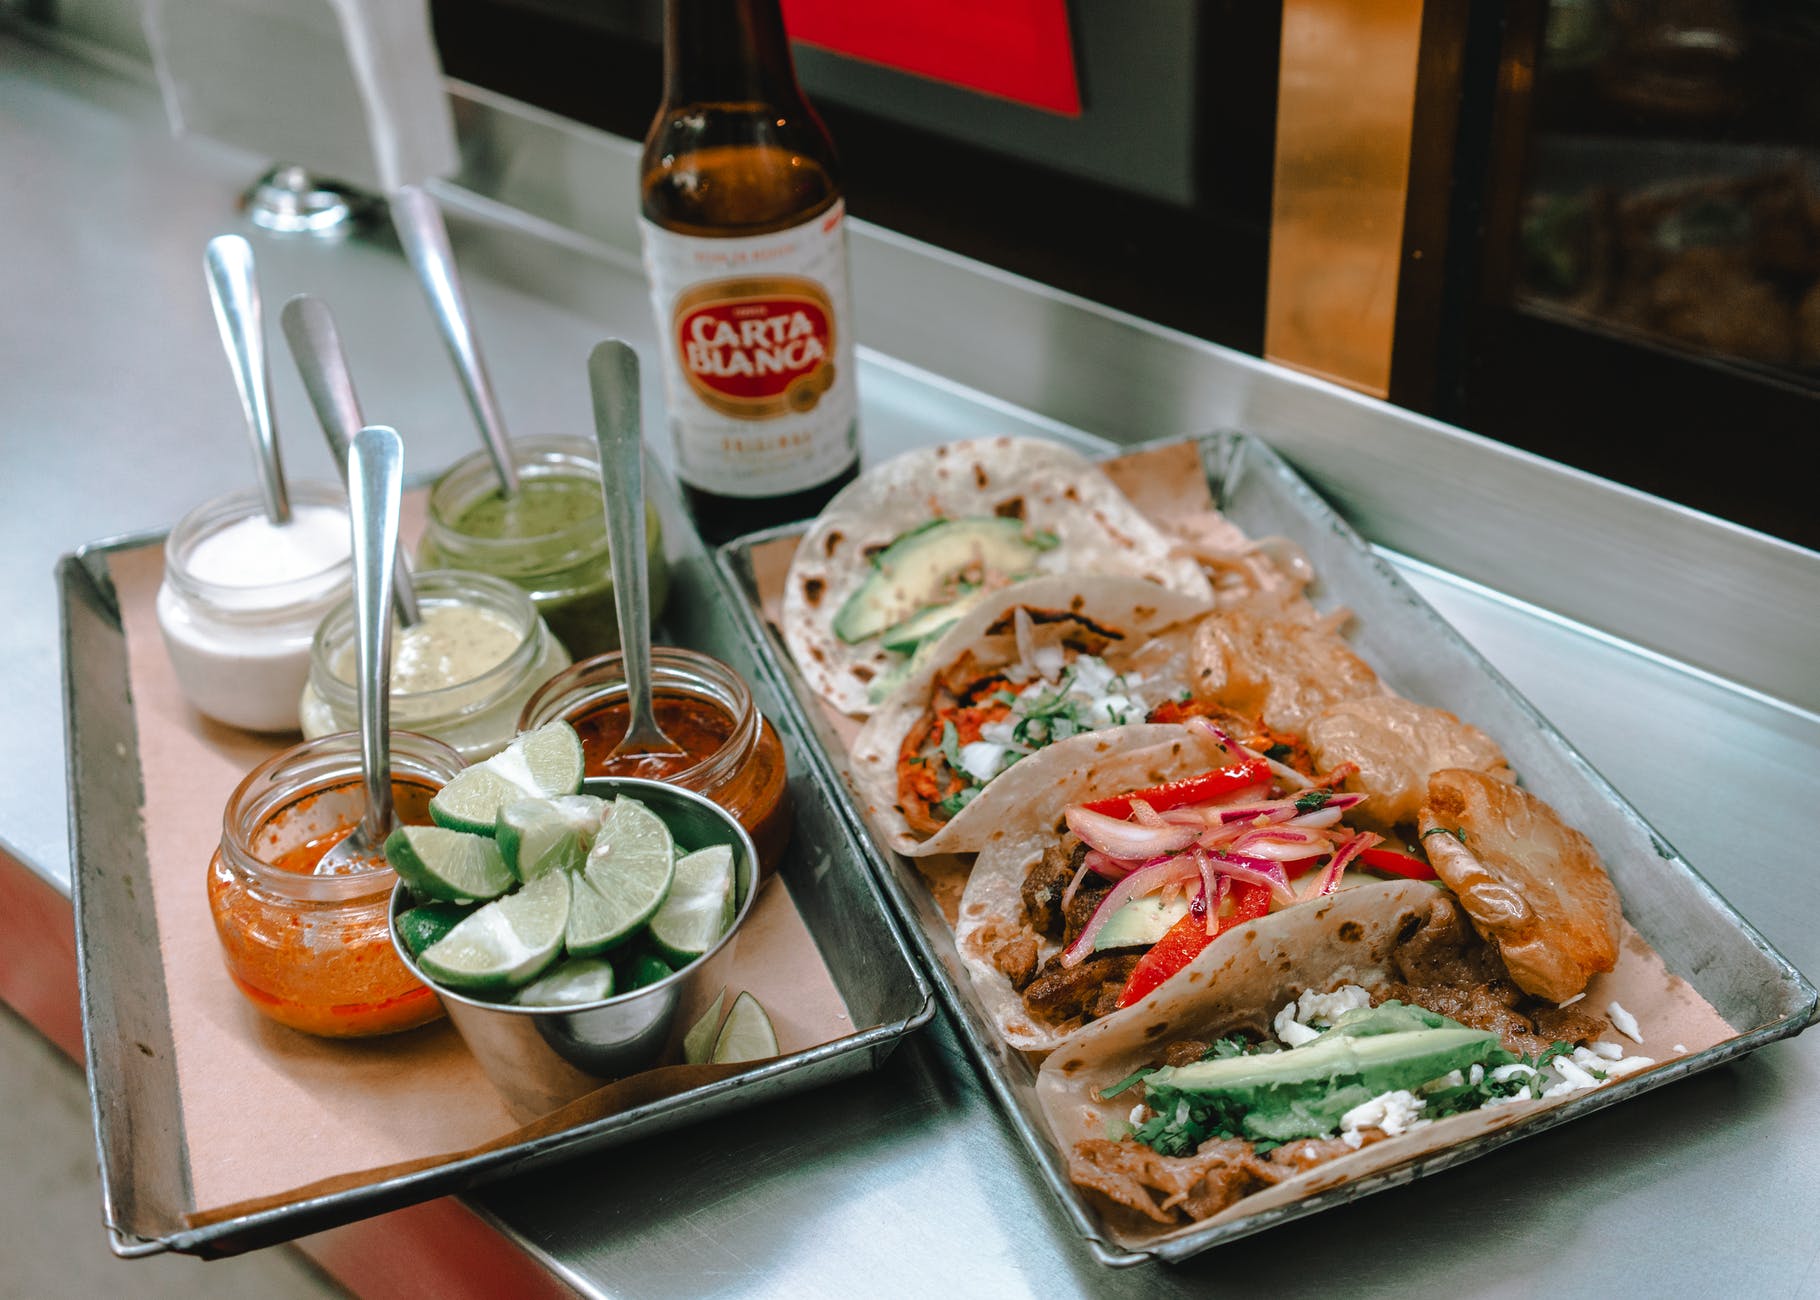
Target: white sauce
x=240, y=646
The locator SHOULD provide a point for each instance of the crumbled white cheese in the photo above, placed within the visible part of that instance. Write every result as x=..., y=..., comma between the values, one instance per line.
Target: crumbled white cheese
x=1575, y=998
x=1680, y=1047
x=1048, y=660
x=1610, y=1051
x=1623, y=1021
x=1511, y=1071
x=1137, y=1114
x=1293, y=1024
x=1452, y=1079
x=1393, y=1112
x=1571, y=1072
x=1477, y=1076
x=980, y=759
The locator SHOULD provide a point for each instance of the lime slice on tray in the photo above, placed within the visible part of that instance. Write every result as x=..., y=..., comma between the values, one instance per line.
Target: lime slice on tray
x=506, y=943
x=747, y=1035
x=699, y=909
x=569, y=983
x=535, y=835
x=698, y=1043
x=538, y=765
x=422, y=926
x=440, y=863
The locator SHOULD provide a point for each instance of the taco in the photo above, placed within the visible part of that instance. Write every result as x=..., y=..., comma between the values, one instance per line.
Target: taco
x=1036, y=670
x=1097, y=888
x=1321, y=1044
x=901, y=552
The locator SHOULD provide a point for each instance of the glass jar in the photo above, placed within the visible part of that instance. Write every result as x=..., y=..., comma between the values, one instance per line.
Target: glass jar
x=315, y=952
x=737, y=760
x=550, y=540
x=475, y=715
x=240, y=646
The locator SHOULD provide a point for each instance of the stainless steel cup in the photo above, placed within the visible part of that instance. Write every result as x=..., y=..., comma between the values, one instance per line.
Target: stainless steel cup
x=543, y=1057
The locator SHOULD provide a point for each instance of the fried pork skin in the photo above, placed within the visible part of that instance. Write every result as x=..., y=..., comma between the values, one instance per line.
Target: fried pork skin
x=1396, y=744
x=1532, y=884
x=1276, y=662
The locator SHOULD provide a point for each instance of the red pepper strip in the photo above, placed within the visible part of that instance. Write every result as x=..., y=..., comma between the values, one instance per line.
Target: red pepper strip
x=1397, y=864
x=1185, y=939
x=1189, y=790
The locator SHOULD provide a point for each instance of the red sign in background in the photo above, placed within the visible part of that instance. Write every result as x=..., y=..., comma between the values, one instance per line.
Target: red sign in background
x=1019, y=50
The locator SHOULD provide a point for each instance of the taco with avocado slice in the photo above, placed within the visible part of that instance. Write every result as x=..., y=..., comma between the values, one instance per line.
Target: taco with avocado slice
x=1039, y=671
x=1317, y=1046
x=902, y=552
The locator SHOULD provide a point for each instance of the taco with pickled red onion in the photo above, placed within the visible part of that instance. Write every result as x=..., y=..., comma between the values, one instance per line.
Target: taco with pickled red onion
x=902, y=552
x=1319, y=1045
x=1095, y=891
x=1037, y=671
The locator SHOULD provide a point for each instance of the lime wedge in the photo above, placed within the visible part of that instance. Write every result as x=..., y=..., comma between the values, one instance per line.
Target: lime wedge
x=535, y=835
x=422, y=926
x=538, y=765
x=504, y=944
x=747, y=1035
x=441, y=863
x=648, y=969
x=699, y=909
x=569, y=983
x=698, y=1043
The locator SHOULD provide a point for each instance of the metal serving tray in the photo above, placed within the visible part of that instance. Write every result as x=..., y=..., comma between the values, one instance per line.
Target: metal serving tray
x=126, y=1030
x=1697, y=934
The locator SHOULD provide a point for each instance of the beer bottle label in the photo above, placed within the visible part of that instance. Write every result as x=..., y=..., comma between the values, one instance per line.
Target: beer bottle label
x=757, y=355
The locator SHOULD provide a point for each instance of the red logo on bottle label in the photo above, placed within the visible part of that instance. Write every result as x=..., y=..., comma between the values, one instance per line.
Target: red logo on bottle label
x=757, y=348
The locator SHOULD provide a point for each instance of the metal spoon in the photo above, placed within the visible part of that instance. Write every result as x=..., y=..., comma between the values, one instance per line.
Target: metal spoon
x=420, y=227
x=316, y=347
x=613, y=378
x=235, y=293
x=375, y=470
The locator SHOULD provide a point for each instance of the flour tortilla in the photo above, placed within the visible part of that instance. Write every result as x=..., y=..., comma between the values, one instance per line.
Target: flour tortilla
x=1134, y=609
x=1240, y=982
x=1026, y=823
x=1052, y=488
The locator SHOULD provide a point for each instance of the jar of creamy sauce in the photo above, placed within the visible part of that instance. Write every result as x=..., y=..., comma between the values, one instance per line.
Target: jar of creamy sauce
x=242, y=598
x=460, y=674
x=311, y=951
x=732, y=753
x=550, y=538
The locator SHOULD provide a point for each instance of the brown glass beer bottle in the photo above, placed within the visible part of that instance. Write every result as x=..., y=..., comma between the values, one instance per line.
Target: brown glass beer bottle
x=745, y=246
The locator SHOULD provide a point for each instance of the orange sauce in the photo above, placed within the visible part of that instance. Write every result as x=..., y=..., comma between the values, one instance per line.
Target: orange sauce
x=325, y=966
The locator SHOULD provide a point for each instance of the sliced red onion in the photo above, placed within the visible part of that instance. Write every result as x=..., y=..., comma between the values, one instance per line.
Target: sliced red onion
x=1280, y=843
x=1321, y=817
x=1223, y=888
x=1284, y=773
x=1144, y=815
x=1145, y=880
x=1109, y=867
x=1080, y=874
x=1257, y=871
x=1329, y=879
x=1122, y=839
x=1024, y=632
x=1187, y=817
x=1210, y=888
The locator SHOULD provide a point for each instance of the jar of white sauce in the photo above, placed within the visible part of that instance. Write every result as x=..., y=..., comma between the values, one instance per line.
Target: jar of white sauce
x=460, y=674
x=242, y=597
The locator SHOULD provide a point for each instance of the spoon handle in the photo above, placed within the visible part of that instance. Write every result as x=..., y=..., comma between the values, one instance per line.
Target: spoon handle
x=235, y=292
x=375, y=471
x=613, y=376
x=425, y=237
x=316, y=347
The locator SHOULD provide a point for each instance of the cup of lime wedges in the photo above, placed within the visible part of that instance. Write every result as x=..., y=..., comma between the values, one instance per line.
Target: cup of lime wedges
x=562, y=946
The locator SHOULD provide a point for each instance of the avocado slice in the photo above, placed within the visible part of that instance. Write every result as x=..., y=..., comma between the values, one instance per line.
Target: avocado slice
x=922, y=571
x=1304, y=1091
x=1140, y=923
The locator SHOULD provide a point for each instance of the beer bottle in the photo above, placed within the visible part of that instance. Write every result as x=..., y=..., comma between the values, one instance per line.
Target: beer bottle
x=745, y=246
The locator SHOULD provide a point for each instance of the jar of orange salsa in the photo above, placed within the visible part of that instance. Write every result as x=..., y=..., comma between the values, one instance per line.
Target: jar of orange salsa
x=733, y=754
x=315, y=951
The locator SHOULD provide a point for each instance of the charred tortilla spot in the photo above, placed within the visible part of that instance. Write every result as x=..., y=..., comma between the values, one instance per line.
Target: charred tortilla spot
x=1352, y=932
x=813, y=590
x=873, y=551
x=980, y=477
x=1010, y=508
x=1407, y=925
x=1194, y=977
x=816, y=653
x=1286, y=964
x=1071, y=1065
x=864, y=672
x=1157, y=1030
x=1077, y=604
x=1069, y=493
x=832, y=542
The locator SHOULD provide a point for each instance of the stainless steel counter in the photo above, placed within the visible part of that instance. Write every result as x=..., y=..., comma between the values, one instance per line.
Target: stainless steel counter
x=116, y=414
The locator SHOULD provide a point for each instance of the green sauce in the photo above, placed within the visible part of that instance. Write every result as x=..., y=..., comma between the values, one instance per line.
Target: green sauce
x=560, y=559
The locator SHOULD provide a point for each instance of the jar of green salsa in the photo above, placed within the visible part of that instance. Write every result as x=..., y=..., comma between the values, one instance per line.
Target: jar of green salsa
x=550, y=538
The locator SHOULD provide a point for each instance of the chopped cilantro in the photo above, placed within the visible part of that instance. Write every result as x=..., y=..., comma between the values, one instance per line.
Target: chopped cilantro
x=1127, y=1082
x=1004, y=697
x=1280, y=752
x=1459, y=833
x=1312, y=800
x=1221, y=1048
x=958, y=800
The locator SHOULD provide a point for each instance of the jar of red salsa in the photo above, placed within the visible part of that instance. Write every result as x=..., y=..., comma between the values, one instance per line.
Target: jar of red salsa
x=734, y=755
x=315, y=951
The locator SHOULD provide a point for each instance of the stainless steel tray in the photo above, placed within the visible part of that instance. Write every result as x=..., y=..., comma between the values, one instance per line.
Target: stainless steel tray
x=126, y=1029
x=1697, y=934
